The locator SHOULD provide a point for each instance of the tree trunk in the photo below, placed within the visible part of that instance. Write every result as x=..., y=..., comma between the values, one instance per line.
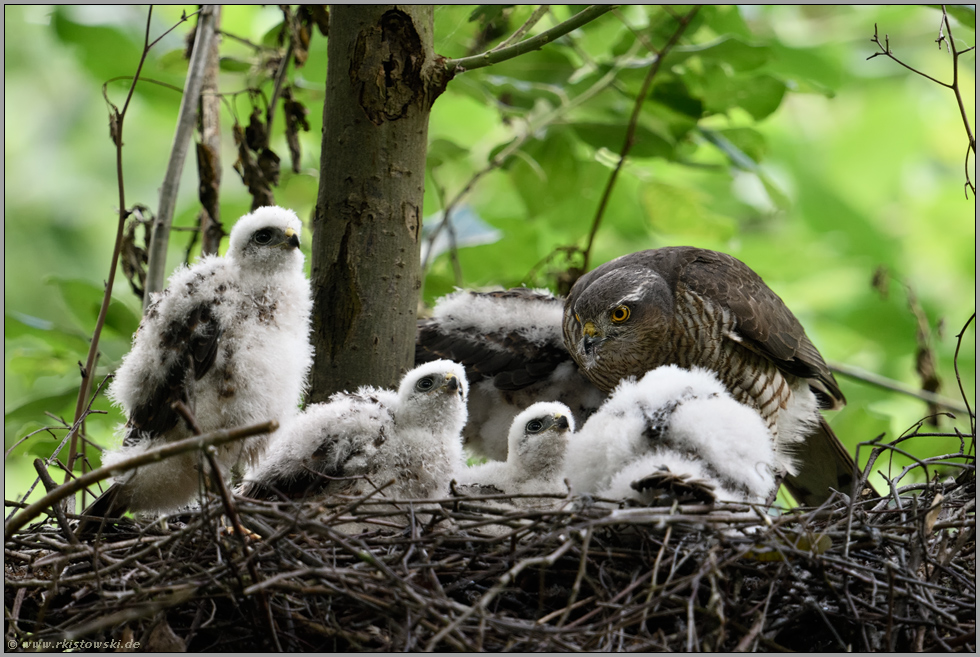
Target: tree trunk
x=381, y=80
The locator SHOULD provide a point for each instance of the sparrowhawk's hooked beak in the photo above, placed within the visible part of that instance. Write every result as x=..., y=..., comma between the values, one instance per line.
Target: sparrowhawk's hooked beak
x=561, y=421
x=292, y=239
x=591, y=337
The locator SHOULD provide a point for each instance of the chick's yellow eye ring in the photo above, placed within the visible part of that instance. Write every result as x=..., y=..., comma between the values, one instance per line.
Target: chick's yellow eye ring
x=620, y=314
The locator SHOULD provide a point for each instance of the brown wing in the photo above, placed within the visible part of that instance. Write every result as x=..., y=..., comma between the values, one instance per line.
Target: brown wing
x=507, y=355
x=193, y=343
x=764, y=322
x=826, y=463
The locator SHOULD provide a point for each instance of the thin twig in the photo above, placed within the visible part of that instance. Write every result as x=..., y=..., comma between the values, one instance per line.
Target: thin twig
x=456, y=66
x=280, y=78
x=536, y=15
x=885, y=49
x=116, y=119
x=59, y=513
x=497, y=588
x=682, y=24
x=263, y=610
x=150, y=456
x=858, y=374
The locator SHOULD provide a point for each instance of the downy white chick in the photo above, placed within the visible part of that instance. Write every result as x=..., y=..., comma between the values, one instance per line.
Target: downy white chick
x=229, y=338
x=681, y=420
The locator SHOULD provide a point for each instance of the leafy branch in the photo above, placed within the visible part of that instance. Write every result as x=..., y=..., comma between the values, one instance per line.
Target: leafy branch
x=954, y=86
x=513, y=148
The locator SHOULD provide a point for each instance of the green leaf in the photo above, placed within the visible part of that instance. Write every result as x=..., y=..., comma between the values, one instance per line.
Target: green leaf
x=646, y=143
x=485, y=14
x=549, y=65
x=442, y=151
x=673, y=93
x=749, y=141
x=234, y=65
x=730, y=51
x=17, y=324
x=545, y=171
x=91, y=38
x=85, y=301
x=759, y=95
x=725, y=19
x=33, y=410
x=735, y=155
x=682, y=211
x=812, y=70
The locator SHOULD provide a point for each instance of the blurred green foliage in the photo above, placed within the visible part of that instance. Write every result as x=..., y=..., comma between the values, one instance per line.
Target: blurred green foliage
x=768, y=134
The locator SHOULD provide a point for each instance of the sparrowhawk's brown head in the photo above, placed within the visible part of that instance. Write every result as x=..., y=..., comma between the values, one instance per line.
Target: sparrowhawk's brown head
x=612, y=320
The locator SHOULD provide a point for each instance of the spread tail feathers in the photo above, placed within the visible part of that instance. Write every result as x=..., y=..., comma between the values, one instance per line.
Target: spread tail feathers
x=825, y=464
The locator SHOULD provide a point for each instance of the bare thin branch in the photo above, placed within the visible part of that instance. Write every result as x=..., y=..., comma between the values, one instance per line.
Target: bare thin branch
x=150, y=456
x=116, y=119
x=858, y=374
x=490, y=57
x=536, y=16
x=885, y=49
x=59, y=513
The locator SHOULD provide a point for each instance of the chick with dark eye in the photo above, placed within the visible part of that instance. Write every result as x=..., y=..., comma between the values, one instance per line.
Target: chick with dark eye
x=202, y=343
x=534, y=426
x=286, y=240
x=263, y=237
x=535, y=456
x=407, y=443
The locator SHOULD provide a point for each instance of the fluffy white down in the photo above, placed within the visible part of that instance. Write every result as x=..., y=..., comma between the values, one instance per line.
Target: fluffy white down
x=406, y=443
x=794, y=423
x=259, y=373
x=535, y=462
x=426, y=449
x=340, y=437
x=692, y=414
x=538, y=320
x=492, y=411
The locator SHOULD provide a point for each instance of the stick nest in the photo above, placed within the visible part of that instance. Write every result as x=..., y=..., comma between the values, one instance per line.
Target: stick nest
x=474, y=573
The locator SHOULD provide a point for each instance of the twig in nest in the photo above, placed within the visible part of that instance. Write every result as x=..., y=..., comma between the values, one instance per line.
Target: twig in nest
x=157, y=454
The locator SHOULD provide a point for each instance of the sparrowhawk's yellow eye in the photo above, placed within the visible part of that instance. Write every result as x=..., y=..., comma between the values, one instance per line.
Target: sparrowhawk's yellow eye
x=620, y=314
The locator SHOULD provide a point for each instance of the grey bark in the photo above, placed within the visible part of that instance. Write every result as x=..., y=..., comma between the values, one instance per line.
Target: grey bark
x=186, y=120
x=209, y=149
x=381, y=80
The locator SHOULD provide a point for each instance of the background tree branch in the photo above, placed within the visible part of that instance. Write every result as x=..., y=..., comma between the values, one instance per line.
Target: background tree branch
x=186, y=120
x=496, y=56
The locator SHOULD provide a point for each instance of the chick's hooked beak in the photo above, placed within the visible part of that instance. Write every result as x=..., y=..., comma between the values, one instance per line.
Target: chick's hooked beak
x=561, y=421
x=292, y=239
x=452, y=384
x=591, y=337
